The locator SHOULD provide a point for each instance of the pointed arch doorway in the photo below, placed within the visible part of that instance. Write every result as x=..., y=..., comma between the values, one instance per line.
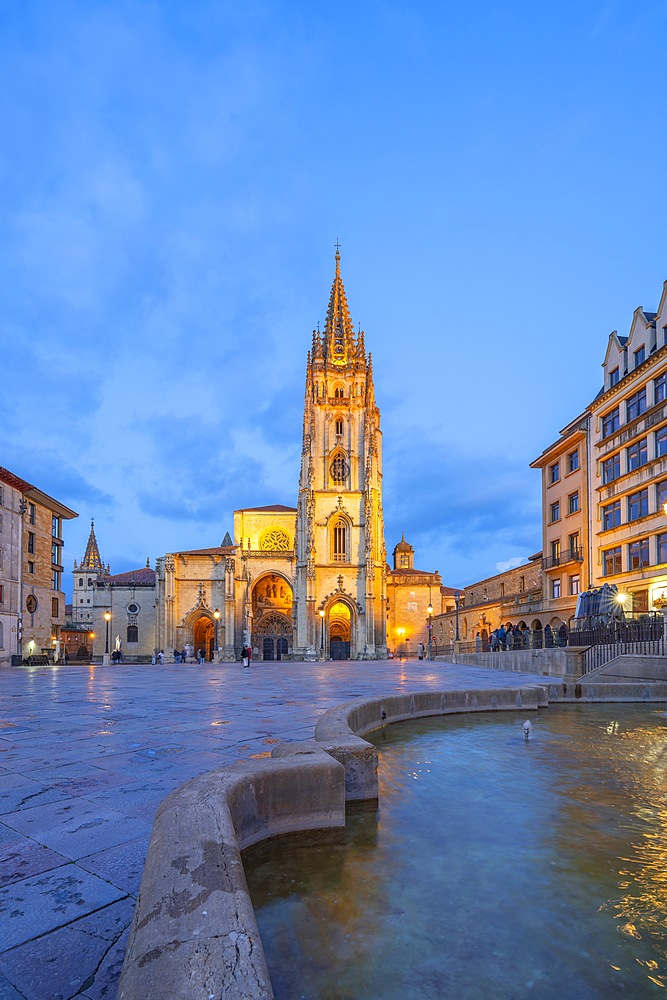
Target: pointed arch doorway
x=339, y=631
x=203, y=636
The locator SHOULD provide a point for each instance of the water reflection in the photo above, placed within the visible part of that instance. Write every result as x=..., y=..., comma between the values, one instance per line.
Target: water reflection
x=494, y=867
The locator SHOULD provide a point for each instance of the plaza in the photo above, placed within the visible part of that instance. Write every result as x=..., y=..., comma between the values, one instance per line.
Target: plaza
x=88, y=753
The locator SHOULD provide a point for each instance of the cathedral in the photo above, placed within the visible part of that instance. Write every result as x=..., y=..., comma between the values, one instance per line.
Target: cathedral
x=309, y=582
x=305, y=583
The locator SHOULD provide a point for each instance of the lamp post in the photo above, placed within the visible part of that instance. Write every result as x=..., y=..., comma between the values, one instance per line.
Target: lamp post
x=216, y=619
x=430, y=631
x=107, y=618
x=457, y=598
x=321, y=633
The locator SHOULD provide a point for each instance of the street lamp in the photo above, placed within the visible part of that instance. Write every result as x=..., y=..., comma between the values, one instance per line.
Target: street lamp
x=216, y=618
x=107, y=618
x=430, y=631
x=23, y=506
x=321, y=633
x=457, y=598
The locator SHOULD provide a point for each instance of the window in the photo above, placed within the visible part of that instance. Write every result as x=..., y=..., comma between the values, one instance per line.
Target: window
x=555, y=553
x=1, y=557
x=502, y=589
x=611, y=561
x=573, y=461
x=664, y=335
x=573, y=503
x=611, y=468
x=637, y=505
x=339, y=427
x=55, y=581
x=638, y=553
x=54, y=553
x=640, y=355
x=2, y=636
x=55, y=605
x=55, y=526
x=81, y=581
x=574, y=584
x=31, y=541
x=31, y=513
x=660, y=388
x=637, y=455
x=573, y=545
x=338, y=392
x=662, y=548
x=611, y=515
x=339, y=469
x=661, y=442
x=522, y=584
x=31, y=567
x=555, y=588
x=555, y=511
x=339, y=541
x=611, y=422
x=661, y=495
x=635, y=404
x=2, y=594
x=132, y=633
x=554, y=473
x=613, y=377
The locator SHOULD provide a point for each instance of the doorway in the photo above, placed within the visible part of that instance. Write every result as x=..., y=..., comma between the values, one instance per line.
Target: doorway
x=339, y=631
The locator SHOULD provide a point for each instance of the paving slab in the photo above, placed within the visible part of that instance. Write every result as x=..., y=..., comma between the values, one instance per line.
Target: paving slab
x=41, y=903
x=23, y=857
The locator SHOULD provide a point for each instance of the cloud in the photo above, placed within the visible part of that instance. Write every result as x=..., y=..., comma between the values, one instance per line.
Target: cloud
x=512, y=563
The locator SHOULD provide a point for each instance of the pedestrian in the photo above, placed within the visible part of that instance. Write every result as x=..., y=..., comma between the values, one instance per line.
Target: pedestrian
x=154, y=657
x=502, y=637
x=420, y=650
x=184, y=656
x=245, y=656
x=202, y=655
x=495, y=641
x=177, y=656
x=509, y=639
x=160, y=657
x=478, y=642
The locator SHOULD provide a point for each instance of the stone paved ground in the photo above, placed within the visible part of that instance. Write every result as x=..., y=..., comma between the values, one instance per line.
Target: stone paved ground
x=86, y=755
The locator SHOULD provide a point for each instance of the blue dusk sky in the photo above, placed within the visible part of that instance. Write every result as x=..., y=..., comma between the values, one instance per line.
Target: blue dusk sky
x=173, y=179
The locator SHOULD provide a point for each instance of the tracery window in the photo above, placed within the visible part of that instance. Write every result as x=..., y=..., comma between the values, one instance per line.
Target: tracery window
x=339, y=426
x=339, y=392
x=132, y=633
x=275, y=539
x=339, y=469
x=339, y=540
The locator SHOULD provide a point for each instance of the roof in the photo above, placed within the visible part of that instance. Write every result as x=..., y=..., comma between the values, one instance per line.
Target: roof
x=411, y=572
x=276, y=508
x=403, y=546
x=215, y=551
x=143, y=577
x=33, y=493
x=450, y=591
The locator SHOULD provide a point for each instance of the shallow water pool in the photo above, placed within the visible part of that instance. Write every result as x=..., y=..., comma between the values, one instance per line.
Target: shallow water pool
x=494, y=867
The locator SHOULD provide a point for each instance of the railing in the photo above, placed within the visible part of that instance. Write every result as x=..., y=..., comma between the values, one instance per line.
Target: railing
x=267, y=553
x=642, y=635
x=575, y=554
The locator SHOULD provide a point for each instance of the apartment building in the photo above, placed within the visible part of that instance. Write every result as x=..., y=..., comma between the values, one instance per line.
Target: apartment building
x=566, y=534
x=32, y=602
x=629, y=463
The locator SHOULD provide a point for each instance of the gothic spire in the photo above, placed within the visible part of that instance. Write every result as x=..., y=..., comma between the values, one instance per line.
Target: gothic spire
x=339, y=341
x=92, y=559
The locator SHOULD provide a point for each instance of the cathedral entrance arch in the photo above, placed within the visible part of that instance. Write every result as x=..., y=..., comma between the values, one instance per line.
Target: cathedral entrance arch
x=272, y=617
x=203, y=635
x=339, y=631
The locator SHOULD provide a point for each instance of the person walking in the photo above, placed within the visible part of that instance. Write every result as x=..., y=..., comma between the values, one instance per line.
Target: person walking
x=202, y=655
x=245, y=656
x=420, y=650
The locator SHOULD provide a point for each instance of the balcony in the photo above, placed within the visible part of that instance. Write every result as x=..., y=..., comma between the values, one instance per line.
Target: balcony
x=575, y=554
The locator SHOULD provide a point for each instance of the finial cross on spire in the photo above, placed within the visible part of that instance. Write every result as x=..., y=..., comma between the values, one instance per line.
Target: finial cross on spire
x=337, y=245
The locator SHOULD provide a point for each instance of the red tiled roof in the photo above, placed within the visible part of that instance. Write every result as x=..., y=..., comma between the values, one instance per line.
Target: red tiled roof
x=144, y=576
x=450, y=591
x=14, y=481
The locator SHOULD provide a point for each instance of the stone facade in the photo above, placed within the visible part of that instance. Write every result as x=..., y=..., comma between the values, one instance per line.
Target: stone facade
x=30, y=566
x=510, y=598
x=129, y=599
x=410, y=593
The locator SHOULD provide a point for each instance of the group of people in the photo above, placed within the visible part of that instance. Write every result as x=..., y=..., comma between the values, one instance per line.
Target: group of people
x=514, y=637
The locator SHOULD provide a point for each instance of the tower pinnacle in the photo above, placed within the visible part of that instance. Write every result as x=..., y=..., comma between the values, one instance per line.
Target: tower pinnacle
x=92, y=559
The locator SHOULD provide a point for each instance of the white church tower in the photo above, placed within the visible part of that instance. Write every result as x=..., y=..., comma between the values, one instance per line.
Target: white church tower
x=340, y=593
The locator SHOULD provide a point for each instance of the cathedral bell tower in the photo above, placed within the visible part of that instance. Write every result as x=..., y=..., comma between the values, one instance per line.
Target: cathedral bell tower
x=340, y=596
